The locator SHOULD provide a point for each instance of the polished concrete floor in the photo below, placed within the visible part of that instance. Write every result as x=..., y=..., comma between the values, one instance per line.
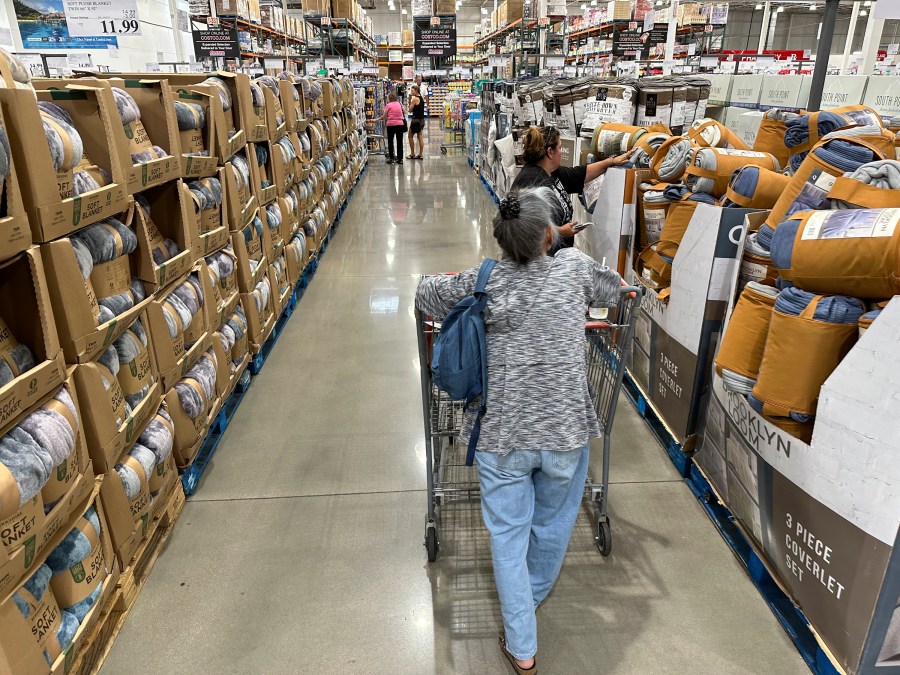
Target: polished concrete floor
x=301, y=552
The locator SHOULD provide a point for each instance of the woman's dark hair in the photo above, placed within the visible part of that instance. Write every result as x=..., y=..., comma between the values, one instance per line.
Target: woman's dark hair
x=392, y=97
x=521, y=226
x=415, y=90
x=536, y=141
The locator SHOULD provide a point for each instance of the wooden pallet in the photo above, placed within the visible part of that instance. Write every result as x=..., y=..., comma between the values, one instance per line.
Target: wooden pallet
x=98, y=645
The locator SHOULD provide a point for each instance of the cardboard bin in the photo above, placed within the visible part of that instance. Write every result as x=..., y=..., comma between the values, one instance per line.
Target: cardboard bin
x=167, y=220
x=209, y=228
x=197, y=141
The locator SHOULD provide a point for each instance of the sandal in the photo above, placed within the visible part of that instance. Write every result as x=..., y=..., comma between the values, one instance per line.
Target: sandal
x=418, y=157
x=512, y=661
x=411, y=157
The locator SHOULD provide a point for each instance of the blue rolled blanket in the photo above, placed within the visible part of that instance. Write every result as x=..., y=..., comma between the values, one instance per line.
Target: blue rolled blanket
x=798, y=131
x=72, y=550
x=27, y=600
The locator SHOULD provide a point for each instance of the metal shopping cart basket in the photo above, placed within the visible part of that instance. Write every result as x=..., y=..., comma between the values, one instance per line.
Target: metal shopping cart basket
x=607, y=342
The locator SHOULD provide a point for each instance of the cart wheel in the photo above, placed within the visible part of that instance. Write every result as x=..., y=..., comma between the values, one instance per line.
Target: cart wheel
x=431, y=542
x=604, y=538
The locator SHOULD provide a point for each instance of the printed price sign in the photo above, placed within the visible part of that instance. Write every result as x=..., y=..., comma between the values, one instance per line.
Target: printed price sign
x=102, y=17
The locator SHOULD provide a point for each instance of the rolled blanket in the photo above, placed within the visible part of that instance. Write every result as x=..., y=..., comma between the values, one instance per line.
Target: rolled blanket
x=741, y=351
x=869, y=317
x=241, y=170
x=189, y=116
x=261, y=295
x=158, y=436
x=126, y=105
x=851, y=252
x=611, y=139
x=197, y=389
x=135, y=474
x=20, y=73
x=678, y=192
x=222, y=263
x=709, y=133
x=867, y=186
x=256, y=96
x=273, y=218
x=107, y=240
x=647, y=146
x=671, y=159
x=71, y=553
x=130, y=114
x=804, y=132
x=221, y=89
x=297, y=248
x=710, y=169
x=839, y=153
x=179, y=315
x=236, y=324
x=66, y=147
x=755, y=187
x=272, y=85
x=134, y=374
x=808, y=336
x=653, y=206
x=53, y=426
x=15, y=358
x=756, y=263
x=30, y=597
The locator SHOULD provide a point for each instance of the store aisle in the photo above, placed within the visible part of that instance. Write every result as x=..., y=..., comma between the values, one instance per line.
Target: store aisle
x=301, y=551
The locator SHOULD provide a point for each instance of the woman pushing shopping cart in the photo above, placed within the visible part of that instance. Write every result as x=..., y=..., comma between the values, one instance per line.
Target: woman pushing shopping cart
x=552, y=384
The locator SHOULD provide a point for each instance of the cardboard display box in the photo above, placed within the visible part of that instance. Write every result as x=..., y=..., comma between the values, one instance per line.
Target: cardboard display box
x=29, y=534
x=273, y=241
x=262, y=175
x=293, y=110
x=676, y=331
x=173, y=357
x=259, y=323
x=15, y=233
x=295, y=264
x=106, y=439
x=290, y=220
x=53, y=211
x=611, y=236
x=74, y=302
x=841, y=90
x=166, y=221
x=281, y=285
x=229, y=134
x=20, y=651
x=242, y=204
x=785, y=91
x=246, y=251
x=273, y=110
x=824, y=516
x=284, y=175
x=196, y=141
x=191, y=432
x=746, y=90
x=209, y=228
x=225, y=295
x=156, y=127
x=25, y=311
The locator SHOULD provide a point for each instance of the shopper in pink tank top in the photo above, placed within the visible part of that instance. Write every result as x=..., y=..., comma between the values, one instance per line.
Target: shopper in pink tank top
x=396, y=127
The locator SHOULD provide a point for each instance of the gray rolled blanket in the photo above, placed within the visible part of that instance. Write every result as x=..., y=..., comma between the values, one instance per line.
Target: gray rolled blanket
x=883, y=174
x=32, y=591
x=72, y=551
x=203, y=373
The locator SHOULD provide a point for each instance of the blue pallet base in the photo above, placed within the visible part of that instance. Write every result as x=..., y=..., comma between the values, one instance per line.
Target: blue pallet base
x=791, y=619
x=190, y=478
x=259, y=359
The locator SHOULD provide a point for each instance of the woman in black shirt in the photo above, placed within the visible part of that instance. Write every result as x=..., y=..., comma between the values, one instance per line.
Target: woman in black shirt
x=542, y=169
x=416, y=123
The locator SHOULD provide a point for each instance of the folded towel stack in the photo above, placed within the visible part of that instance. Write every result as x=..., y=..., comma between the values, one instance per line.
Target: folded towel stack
x=15, y=358
x=130, y=115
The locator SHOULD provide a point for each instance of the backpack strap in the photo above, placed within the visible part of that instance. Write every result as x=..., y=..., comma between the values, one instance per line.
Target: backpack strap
x=484, y=273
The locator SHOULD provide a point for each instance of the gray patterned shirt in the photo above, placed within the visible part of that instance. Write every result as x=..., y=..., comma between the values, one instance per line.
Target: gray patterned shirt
x=538, y=396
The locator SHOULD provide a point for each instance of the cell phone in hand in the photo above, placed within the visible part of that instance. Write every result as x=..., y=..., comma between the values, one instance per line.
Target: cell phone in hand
x=578, y=227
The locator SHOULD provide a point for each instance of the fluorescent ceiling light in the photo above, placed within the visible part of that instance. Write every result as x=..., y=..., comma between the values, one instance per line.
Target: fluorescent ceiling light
x=758, y=6
x=863, y=12
x=867, y=3
x=812, y=8
x=779, y=10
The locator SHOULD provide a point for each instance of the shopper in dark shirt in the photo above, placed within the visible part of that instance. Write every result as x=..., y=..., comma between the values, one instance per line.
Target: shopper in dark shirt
x=542, y=156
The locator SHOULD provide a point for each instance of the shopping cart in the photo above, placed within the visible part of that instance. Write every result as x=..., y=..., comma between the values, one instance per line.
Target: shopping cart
x=607, y=344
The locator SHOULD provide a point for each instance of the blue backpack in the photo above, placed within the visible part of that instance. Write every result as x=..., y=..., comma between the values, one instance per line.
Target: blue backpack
x=459, y=357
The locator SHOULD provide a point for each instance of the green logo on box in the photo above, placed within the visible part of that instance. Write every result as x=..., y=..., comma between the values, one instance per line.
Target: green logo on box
x=30, y=548
x=78, y=573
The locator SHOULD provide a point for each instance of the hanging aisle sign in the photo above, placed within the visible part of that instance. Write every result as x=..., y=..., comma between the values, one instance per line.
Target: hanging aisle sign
x=217, y=41
x=435, y=41
x=102, y=17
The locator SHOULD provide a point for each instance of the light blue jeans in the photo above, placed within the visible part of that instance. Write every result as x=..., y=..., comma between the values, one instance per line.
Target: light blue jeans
x=529, y=500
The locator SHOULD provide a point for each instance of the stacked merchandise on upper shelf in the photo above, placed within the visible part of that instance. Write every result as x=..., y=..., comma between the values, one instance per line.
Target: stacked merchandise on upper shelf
x=789, y=241
x=134, y=291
